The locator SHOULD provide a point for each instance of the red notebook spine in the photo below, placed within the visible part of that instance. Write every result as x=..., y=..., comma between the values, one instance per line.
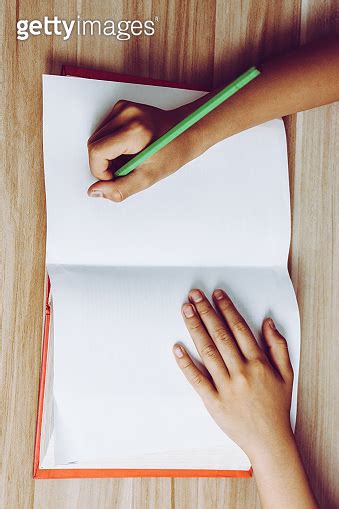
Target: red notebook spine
x=82, y=72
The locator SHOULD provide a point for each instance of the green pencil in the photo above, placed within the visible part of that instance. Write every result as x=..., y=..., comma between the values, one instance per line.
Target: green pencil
x=188, y=121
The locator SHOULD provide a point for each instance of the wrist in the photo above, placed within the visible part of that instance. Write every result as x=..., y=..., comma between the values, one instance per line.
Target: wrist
x=280, y=475
x=193, y=142
x=271, y=445
x=273, y=449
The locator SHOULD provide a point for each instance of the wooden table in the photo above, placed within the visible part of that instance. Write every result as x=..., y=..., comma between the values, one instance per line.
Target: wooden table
x=202, y=42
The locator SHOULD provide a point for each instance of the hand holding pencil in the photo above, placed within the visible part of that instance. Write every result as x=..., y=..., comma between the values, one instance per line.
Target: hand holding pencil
x=128, y=129
x=287, y=84
x=131, y=127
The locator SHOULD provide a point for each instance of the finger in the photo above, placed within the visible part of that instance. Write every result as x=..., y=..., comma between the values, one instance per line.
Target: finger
x=241, y=331
x=119, y=117
x=109, y=128
x=123, y=187
x=101, y=152
x=128, y=139
x=277, y=350
x=217, y=329
x=206, y=347
x=193, y=374
x=117, y=108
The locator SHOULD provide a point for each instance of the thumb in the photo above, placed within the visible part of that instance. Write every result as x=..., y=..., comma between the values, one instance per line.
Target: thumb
x=121, y=188
x=277, y=350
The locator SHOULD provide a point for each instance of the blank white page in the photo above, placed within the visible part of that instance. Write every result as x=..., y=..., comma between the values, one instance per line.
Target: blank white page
x=120, y=273
x=117, y=388
x=228, y=207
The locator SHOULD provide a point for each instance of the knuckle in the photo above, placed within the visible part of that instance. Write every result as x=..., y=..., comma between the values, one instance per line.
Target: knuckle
x=209, y=351
x=281, y=342
x=116, y=195
x=221, y=335
x=139, y=132
x=259, y=364
x=130, y=109
x=186, y=364
x=225, y=303
x=192, y=374
x=133, y=107
x=204, y=309
x=138, y=125
x=95, y=154
x=194, y=324
x=121, y=103
x=93, y=149
x=196, y=378
x=239, y=326
x=242, y=379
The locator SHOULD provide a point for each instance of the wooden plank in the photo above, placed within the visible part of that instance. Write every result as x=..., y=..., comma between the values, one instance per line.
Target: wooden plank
x=248, y=32
x=314, y=269
x=22, y=243
x=314, y=263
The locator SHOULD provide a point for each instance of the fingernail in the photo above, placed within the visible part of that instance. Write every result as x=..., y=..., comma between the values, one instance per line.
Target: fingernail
x=271, y=323
x=96, y=193
x=196, y=296
x=188, y=310
x=218, y=294
x=178, y=351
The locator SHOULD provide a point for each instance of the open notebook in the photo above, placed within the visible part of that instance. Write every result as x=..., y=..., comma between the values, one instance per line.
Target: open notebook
x=112, y=400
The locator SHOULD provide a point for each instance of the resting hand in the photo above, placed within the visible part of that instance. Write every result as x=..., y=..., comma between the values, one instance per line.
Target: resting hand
x=249, y=390
x=248, y=393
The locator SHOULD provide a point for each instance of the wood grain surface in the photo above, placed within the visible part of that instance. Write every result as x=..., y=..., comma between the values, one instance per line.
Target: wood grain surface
x=202, y=42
